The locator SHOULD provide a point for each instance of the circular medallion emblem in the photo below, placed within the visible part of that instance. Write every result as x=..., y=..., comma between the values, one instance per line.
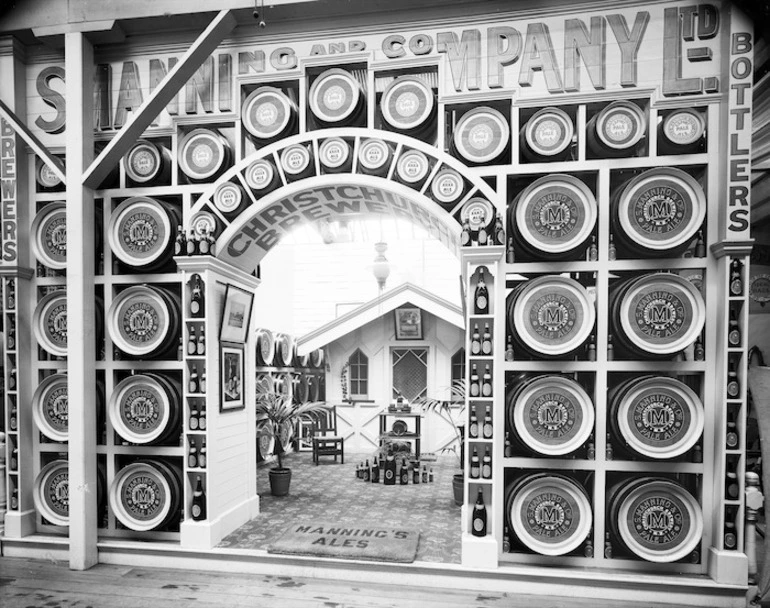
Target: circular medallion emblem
x=50, y=323
x=267, y=113
x=549, y=132
x=51, y=493
x=407, y=103
x=49, y=235
x=140, y=231
x=550, y=514
x=478, y=211
x=413, y=167
x=334, y=152
x=140, y=408
x=45, y=175
x=265, y=346
x=373, y=154
x=142, y=319
x=684, y=127
x=144, y=495
x=447, y=186
x=143, y=162
x=202, y=154
x=295, y=160
x=50, y=407
x=228, y=197
x=481, y=135
x=621, y=125
x=260, y=175
x=334, y=95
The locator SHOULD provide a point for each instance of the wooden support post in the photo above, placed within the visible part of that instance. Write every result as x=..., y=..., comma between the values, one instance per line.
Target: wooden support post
x=206, y=43
x=81, y=326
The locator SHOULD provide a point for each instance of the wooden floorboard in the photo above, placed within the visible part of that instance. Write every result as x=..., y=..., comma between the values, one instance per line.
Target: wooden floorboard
x=50, y=584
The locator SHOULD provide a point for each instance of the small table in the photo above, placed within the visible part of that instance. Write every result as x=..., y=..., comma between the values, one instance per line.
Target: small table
x=410, y=435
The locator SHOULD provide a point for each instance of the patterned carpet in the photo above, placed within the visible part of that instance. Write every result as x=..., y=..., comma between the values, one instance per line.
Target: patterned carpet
x=331, y=492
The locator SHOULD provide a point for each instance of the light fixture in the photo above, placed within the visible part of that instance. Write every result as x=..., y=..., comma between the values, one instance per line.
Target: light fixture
x=381, y=266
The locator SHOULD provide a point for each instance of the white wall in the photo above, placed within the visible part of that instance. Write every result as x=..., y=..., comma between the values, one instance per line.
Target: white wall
x=759, y=324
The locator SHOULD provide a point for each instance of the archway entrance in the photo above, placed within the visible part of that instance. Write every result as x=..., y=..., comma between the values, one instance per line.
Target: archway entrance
x=416, y=182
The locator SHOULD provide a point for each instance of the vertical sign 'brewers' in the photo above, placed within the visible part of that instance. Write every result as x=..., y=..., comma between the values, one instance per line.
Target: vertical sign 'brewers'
x=739, y=128
x=8, y=192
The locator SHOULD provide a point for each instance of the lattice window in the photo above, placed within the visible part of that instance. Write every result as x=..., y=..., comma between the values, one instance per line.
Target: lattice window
x=410, y=372
x=359, y=375
x=458, y=366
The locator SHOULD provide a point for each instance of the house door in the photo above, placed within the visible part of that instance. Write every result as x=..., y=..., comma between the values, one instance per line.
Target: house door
x=410, y=373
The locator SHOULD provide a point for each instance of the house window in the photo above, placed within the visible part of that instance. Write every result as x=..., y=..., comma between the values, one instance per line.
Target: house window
x=359, y=375
x=458, y=366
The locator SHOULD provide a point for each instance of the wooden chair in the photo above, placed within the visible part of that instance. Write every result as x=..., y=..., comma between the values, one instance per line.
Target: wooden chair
x=326, y=441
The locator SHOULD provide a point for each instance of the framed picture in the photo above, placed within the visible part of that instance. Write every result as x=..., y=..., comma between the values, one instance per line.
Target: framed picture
x=236, y=315
x=231, y=378
x=408, y=324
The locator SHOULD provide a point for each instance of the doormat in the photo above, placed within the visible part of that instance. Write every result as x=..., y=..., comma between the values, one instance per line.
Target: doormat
x=371, y=543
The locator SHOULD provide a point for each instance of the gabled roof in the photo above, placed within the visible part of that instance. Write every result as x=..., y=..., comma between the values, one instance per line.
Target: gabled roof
x=406, y=293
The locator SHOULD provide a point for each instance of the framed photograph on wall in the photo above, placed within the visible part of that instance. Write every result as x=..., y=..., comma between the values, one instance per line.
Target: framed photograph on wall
x=408, y=323
x=231, y=378
x=236, y=315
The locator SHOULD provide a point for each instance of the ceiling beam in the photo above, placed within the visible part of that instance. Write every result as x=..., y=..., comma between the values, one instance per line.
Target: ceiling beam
x=54, y=162
x=206, y=44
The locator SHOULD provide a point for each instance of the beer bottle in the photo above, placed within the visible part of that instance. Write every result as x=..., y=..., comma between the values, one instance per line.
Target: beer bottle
x=198, y=501
x=416, y=473
x=475, y=466
x=486, y=385
x=486, y=464
x=733, y=384
x=404, y=473
x=508, y=452
x=700, y=246
x=473, y=426
x=481, y=296
x=732, y=484
x=608, y=452
x=486, y=341
x=474, y=387
x=479, y=524
x=509, y=349
x=506, y=540
x=15, y=499
x=13, y=418
x=202, y=383
x=475, y=340
x=203, y=244
x=193, y=421
x=202, y=456
x=192, y=456
x=736, y=277
x=190, y=244
x=510, y=257
x=593, y=251
x=13, y=465
x=699, y=353
x=610, y=348
x=12, y=379
x=482, y=237
x=390, y=471
x=425, y=473
x=612, y=253
x=197, y=298
x=11, y=295
x=367, y=471
x=730, y=535
x=180, y=350
x=202, y=419
x=592, y=348
x=192, y=342
x=465, y=235
x=487, y=431
x=734, y=330
x=499, y=230
x=375, y=470
x=180, y=247
x=430, y=475
x=591, y=448
x=731, y=436
x=201, y=344
x=192, y=385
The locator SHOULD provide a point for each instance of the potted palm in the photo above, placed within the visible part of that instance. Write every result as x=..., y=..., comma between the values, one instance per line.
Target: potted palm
x=457, y=421
x=278, y=415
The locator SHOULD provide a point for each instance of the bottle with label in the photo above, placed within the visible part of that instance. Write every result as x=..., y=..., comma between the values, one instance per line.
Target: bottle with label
x=474, y=388
x=610, y=348
x=416, y=473
x=192, y=341
x=202, y=419
x=699, y=353
x=13, y=417
x=506, y=540
x=591, y=448
x=475, y=340
x=390, y=471
x=202, y=455
x=465, y=235
x=425, y=473
x=11, y=339
x=473, y=425
x=198, y=509
x=593, y=251
x=201, y=343
x=486, y=341
x=12, y=379
x=192, y=385
x=499, y=230
x=510, y=257
x=487, y=430
x=10, y=298
x=190, y=246
x=732, y=438
x=430, y=475
x=203, y=244
x=192, y=456
x=475, y=465
x=486, y=383
x=14, y=502
x=367, y=471
x=733, y=384
x=509, y=349
x=486, y=464
x=404, y=476
x=732, y=483
x=202, y=383
x=730, y=533
x=591, y=350
x=733, y=330
x=197, y=298
x=180, y=350
x=180, y=247
x=612, y=252
x=607, y=546
x=479, y=522
x=481, y=296
x=482, y=236
x=736, y=277
x=13, y=463
x=508, y=451
x=375, y=471
x=193, y=421
x=608, y=451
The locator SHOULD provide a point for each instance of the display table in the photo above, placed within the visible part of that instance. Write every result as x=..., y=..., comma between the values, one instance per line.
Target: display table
x=413, y=434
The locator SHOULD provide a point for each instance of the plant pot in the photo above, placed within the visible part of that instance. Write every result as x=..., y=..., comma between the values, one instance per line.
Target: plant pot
x=279, y=481
x=458, y=482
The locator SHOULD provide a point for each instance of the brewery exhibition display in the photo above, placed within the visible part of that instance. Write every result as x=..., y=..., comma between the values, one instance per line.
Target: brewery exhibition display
x=589, y=167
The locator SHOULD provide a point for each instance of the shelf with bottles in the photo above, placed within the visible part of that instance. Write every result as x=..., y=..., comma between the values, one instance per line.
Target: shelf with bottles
x=480, y=462
x=481, y=300
x=481, y=343
x=196, y=339
x=480, y=521
x=196, y=507
x=197, y=456
x=481, y=380
x=196, y=384
x=196, y=420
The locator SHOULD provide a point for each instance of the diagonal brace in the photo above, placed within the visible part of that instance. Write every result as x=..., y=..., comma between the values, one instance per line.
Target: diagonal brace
x=54, y=162
x=206, y=43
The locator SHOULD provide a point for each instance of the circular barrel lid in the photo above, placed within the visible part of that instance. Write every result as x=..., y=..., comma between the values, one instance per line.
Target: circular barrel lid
x=50, y=323
x=334, y=95
x=140, y=408
x=143, y=494
x=260, y=175
x=374, y=154
x=265, y=346
x=143, y=162
x=303, y=389
x=447, y=186
x=661, y=313
x=659, y=417
x=684, y=126
x=555, y=213
x=407, y=103
x=334, y=152
x=549, y=132
x=51, y=492
x=140, y=231
x=481, y=135
x=659, y=521
x=265, y=442
x=202, y=154
x=478, y=211
x=550, y=514
x=317, y=357
x=661, y=208
x=50, y=407
x=552, y=315
x=49, y=235
x=300, y=360
x=228, y=197
x=295, y=160
x=267, y=112
x=413, y=166
x=552, y=415
x=621, y=125
x=284, y=346
x=45, y=175
x=141, y=320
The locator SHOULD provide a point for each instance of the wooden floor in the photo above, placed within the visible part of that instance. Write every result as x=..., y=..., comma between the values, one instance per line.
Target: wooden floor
x=48, y=584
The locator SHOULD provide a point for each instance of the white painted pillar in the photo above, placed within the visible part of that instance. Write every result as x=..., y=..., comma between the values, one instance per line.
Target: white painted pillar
x=81, y=328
